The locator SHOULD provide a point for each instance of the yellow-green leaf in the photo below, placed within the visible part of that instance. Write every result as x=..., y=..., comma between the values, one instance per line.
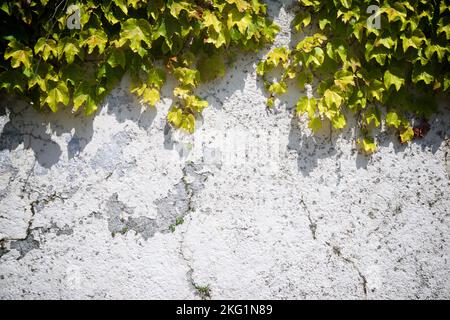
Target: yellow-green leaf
x=19, y=54
x=58, y=94
x=47, y=47
x=392, y=79
x=407, y=134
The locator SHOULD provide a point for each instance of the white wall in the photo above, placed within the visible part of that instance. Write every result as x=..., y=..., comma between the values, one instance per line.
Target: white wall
x=269, y=210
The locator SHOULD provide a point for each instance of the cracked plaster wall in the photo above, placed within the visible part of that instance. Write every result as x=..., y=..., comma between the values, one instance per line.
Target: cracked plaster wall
x=119, y=206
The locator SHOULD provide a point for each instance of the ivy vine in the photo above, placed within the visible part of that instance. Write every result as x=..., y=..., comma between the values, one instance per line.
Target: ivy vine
x=367, y=54
x=72, y=53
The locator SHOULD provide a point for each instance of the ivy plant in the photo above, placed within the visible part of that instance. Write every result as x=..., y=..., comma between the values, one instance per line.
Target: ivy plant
x=67, y=53
x=367, y=54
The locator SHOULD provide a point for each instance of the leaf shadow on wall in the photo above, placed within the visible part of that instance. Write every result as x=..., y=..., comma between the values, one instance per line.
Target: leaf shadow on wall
x=124, y=106
x=37, y=131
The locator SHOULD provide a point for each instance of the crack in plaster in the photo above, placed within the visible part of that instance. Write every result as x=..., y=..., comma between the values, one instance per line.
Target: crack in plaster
x=191, y=188
x=28, y=243
x=338, y=253
x=312, y=224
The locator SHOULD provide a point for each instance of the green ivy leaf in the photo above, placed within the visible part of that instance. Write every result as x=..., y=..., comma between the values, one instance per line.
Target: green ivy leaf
x=393, y=120
x=373, y=115
x=122, y=4
x=241, y=20
x=333, y=99
x=47, y=47
x=19, y=54
x=57, y=94
x=116, y=57
x=69, y=48
x=339, y=121
x=368, y=145
x=407, y=134
x=306, y=105
x=187, y=76
x=391, y=79
x=85, y=94
x=95, y=38
x=175, y=116
x=315, y=124
x=278, y=88
x=136, y=32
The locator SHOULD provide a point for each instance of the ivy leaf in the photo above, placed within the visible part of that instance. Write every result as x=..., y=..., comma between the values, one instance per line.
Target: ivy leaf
x=47, y=47
x=188, y=123
x=43, y=74
x=346, y=3
x=211, y=21
x=446, y=84
x=116, y=57
x=181, y=120
x=439, y=50
x=306, y=105
x=175, y=116
x=277, y=56
x=368, y=145
x=444, y=28
x=391, y=79
x=278, y=88
x=393, y=120
x=241, y=5
x=357, y=100
x=339, y=121
x=156, y=77
x=407, y=134
x=373, y=116
x=95, y=38
x=216, y=38
x=261, y=68
x=413, y=41
x=187, y=76
x=395, y=13
x=316, y=57
x=343, y=79
x=69, y=48
x=302, y=19
x=333, y=99
x=241, y=20
x=122, y=4
x=59, y=93
x=315, y=124
x=84, y=94
x=177, y=7
x=421, y=73
x=19, y=54
x=151, y=96
x=136, y=31
x=216, y=35
x=181, y=92
x=375, y=90
x=195, y=103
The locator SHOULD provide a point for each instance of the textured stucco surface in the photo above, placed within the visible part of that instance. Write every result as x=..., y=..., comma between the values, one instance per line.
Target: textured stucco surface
x=252, y=205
